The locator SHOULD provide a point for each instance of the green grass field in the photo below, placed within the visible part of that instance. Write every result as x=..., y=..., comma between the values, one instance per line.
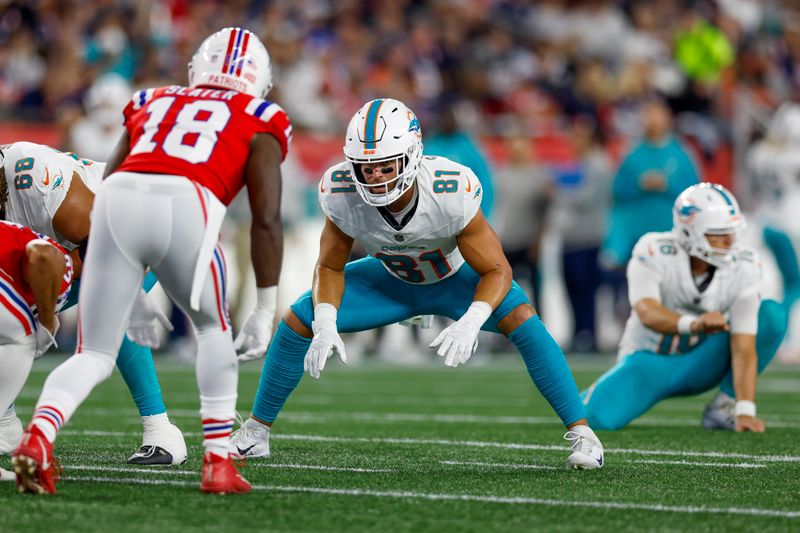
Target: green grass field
x=384, y=448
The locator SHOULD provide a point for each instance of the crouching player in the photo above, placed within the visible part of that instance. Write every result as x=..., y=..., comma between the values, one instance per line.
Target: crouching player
x=697, y=321
x=431, y=252
x=52, y=193
x=35, y=279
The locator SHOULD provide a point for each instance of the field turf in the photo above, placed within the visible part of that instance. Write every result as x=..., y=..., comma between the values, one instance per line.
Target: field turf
x=385, y=448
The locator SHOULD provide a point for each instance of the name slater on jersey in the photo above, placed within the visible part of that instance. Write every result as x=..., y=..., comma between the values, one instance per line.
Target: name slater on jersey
x=401, y=248
x=204, y=93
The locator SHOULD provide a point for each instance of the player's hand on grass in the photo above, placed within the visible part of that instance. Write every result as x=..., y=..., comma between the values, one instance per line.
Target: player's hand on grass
x=46, y=336
x=749, y=423
x=710, y=322
x=325, y=343
x=459, y=340
x=146, y=316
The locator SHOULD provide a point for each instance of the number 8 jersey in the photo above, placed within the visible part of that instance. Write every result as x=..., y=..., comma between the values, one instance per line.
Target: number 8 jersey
x=202, y=133
x=421, y=247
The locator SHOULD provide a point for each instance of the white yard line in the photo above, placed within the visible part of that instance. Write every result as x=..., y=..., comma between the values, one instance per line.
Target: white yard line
x=155, y=470
x=479, y=444
x=697, y=463
x=643, y=461
x=320, y=467
x=152, y=470
x=409, y=495
x=315, y=417
x=513, y=466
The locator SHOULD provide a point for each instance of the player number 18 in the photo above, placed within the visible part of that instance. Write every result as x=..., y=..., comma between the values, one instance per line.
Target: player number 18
x=193, y=135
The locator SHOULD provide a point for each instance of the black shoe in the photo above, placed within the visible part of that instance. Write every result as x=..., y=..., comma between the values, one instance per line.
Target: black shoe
x=151, y=455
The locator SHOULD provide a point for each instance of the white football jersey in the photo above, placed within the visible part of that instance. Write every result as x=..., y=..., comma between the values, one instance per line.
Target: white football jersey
x=38, y=178
x=424, y=250
x=667, y=262
x=776, y=170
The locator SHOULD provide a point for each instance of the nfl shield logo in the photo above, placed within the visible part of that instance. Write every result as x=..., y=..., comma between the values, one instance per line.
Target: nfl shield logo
x=398, y=237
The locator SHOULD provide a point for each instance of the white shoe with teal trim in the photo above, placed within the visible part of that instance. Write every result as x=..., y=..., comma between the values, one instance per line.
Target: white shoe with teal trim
x=10, y=432
x=587, y=450
x=162, y=443
x=7, y=475
x=719, y=413
x=251, y=440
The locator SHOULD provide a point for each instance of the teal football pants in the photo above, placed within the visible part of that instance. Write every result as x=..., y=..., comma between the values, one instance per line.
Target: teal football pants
x=374, y=298
x=642, y=379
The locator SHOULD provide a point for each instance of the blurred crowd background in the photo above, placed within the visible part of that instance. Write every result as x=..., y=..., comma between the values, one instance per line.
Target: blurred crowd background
x=582, y=118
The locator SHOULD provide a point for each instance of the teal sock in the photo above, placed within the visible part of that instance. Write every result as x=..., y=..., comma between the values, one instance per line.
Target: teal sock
x=282, y=371
x=136, y=365
x=548, y=368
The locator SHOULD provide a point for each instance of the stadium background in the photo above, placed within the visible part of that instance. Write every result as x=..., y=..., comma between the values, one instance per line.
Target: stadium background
x=551, y=95
x=546, y=98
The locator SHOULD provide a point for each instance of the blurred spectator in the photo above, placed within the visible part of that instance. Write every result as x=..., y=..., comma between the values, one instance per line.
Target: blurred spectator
x=581, y=203
x=96, y=133
x=523, y=191
x=647, y=182
x=451, y=141
x=702, y=49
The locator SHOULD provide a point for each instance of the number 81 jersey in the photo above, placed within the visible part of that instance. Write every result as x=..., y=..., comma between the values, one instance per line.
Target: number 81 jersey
x=424, y=249
x=202, y=133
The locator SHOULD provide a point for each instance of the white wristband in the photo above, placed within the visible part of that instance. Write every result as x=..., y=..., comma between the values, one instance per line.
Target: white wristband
x=325, y=313
x=480, y=311
x=745, y=408
x=685, y=324
x=267, y=297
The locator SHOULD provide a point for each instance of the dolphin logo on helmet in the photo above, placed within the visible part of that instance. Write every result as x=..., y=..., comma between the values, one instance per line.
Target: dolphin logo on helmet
x=232, y=58
x=384, y=130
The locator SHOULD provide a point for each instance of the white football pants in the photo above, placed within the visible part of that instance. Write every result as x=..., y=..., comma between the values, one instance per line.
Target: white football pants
x=139, y=221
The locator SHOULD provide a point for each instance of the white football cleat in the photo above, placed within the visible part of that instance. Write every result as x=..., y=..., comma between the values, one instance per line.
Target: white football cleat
x=162, y=443
x=251, y=440
x=587, y=450
x=10, y=432
x=719, y=413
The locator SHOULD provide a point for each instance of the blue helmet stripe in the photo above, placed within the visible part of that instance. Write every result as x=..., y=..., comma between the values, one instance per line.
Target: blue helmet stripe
x=371, y=124
x=727, y=200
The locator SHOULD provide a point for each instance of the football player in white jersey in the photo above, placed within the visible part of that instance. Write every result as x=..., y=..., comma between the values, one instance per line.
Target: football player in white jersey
x=431, y=252
x=52, y=192
x=697, y=320
x=774, y=168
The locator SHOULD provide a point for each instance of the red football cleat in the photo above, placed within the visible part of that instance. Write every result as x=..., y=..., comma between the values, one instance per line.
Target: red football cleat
x=33, y=463
x=221, y=477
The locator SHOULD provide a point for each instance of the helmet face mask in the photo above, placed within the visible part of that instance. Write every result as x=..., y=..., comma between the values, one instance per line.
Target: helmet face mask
x=384, y=131
x=232, y=58
x=705, y=211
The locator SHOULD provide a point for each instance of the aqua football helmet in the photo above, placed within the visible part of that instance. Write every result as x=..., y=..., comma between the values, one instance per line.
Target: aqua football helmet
x=384, y=130
x=232, y=58
x=707, y=209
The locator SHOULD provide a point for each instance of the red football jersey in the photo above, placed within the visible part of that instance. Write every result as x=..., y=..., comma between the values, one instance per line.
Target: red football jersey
x=202, y=133
x=15, y=293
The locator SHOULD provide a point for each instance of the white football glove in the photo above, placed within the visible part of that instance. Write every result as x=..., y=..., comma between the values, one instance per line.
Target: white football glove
x=146, y=316
x=252, y=341
x=459, y=340
x=44, y=339
x=326, y=341
x=423, y=321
